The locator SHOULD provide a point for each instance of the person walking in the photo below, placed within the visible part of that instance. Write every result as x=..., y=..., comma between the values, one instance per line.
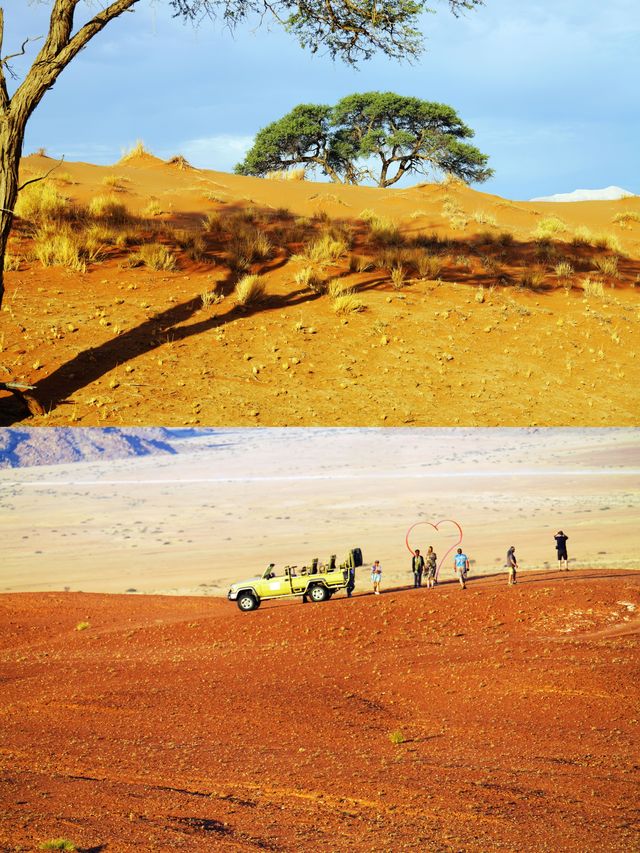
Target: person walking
x=351, y=581
x=431, y=567
x=561, y=548
x=417, y=566
x=512, y=565
x=376, y=577
x=461, y=567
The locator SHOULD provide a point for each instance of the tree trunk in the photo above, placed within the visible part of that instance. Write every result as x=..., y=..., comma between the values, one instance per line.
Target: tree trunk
x=11, y=138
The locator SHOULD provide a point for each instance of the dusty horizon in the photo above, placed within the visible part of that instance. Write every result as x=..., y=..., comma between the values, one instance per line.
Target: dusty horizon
x=195, y=522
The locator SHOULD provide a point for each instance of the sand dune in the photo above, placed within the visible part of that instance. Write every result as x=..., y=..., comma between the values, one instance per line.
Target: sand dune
x=478, y=329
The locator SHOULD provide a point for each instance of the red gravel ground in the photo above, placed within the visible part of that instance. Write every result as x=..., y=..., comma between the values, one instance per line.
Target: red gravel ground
x=181, y=723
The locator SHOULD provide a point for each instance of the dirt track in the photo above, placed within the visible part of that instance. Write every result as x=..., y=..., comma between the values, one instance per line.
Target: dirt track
x=182, y=723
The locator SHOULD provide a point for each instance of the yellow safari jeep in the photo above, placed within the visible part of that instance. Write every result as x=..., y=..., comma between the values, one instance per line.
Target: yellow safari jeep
x=316, y=582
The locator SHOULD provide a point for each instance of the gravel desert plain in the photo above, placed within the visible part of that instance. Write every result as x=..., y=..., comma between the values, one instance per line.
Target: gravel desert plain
x=491, y=718
x=432, y=305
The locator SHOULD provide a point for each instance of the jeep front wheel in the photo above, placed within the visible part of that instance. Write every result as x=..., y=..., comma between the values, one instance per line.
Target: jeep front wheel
x=319, y=593
x=247, y=601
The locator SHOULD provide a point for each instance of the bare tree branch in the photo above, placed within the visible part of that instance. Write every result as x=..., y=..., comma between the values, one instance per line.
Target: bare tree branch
x=42, y=177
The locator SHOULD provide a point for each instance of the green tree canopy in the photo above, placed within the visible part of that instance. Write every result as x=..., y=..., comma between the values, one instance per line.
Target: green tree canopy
x=379, y=136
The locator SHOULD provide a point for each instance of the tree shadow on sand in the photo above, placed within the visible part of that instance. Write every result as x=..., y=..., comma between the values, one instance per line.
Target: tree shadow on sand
x=93, y=363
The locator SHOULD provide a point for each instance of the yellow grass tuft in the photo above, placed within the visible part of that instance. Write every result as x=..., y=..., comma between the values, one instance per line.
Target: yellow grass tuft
x=249, y=290
x=155, y=256
x=286, y=175
x=66, y=248
x=592, y=287
x=41, y=202
x=11, y=262
x=109, y=209
x=324, y=250
x=137, y=150
x=550, y=226
x=310, y=278
x=347, y=303
x=154, y=208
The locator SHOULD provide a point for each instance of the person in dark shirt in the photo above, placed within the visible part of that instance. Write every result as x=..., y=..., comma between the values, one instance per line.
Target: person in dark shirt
x=417, y=566
x=561, y=548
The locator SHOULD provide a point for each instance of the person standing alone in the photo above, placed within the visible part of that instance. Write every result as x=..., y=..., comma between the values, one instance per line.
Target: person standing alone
x=561, y=548
x=461, y=567
x=417, y=566
x=512, y=565
x=376, y=576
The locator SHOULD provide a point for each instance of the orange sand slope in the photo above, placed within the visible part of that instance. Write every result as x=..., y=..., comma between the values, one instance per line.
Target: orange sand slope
x=489, y=719
x=465, y=308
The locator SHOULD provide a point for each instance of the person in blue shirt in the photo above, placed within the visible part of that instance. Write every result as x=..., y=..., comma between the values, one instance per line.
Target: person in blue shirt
x=461, y=567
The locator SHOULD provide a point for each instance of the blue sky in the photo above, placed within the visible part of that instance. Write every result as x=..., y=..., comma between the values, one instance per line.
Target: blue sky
x=550, y=87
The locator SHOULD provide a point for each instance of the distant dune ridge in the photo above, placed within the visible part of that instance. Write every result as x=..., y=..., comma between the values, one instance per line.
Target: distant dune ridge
x=611, y=193
x=22, y=448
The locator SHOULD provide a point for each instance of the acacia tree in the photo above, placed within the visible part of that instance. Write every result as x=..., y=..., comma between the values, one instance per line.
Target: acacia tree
x=348, y=29
x=400, y=134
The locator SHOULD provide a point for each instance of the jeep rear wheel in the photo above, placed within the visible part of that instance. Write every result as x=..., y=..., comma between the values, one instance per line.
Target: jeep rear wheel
x=319, y=593
x=247, y=601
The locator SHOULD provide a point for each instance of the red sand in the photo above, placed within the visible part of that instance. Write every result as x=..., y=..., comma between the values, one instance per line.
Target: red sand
x=183, y=723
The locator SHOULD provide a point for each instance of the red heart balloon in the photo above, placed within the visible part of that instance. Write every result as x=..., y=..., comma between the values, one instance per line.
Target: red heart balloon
x=435, y=527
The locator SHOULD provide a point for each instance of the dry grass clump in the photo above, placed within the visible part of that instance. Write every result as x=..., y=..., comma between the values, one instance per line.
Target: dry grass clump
x=324, y=250
x=608, y=265
x=360, y=263
x=155, y=256
x=383, y=231
x=311, y=279
x=154, y=208
x=63, y=177
x=398, y=277
x=549, y=226
x=451, y=209
x=107, y=208
x=287, y=175
x=179, y=161
x=531, y=279
x=116, y=182
x=428, y=266
x=12, y=262
x=625, y=217
x=347, y=303
x=581, y=236
x=247, y=245
x=210, y=297
x=483, y=218
x=41, y=202
x=592, y=287
x=564, y=269
x=193, y=245
x=249, y=290
x=607, y=241
x=137, y=150
x=66, y=248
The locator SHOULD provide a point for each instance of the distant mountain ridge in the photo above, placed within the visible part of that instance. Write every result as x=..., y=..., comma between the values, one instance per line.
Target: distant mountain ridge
x=606, y=194
x=23, y=448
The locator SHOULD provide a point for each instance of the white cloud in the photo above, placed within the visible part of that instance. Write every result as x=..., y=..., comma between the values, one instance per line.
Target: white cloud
x=219, y=152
